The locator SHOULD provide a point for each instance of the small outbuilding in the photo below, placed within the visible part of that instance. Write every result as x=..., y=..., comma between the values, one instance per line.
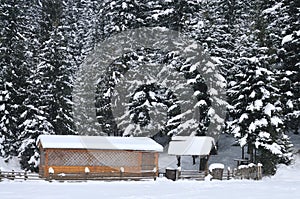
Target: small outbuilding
x=195, y=146
x=93, y=157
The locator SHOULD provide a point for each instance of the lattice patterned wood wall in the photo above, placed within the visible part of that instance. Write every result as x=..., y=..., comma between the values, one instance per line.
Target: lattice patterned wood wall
x=93, y=158
x=98, y=161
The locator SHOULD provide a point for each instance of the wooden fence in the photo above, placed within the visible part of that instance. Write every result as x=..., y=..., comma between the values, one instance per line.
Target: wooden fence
x=218, y=174
x=109, y=176
x=250, y=171
x=18, y=175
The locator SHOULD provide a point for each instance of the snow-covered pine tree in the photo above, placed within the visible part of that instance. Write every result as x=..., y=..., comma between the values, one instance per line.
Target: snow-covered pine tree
x=82, y=29
x=33, y=120
x=71, y=40
x=256, y=101
x=291, y=62
x=206, y=22
x=15, y=70
x=55, y=68
x=177, y=15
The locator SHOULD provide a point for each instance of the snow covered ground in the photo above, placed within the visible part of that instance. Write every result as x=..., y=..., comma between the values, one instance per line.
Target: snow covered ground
x=285, y=184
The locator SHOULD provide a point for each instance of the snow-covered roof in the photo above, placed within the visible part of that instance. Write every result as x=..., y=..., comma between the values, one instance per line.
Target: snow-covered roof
x=98, y=142
x=191, y=145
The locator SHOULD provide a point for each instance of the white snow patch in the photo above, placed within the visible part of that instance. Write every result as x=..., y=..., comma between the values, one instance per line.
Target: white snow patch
x=243, y=140
x=264, y=134
x=288, y=72
x=252, y=95
x=274, y=148
x=286, y=39
x=276, y=121
x=213, y=91
x=289, y=93
x=217, y=60
x=252, y=127
x=139, y=95
x=201, y=103
x=51, y=170
x=236, y=131
x=243, y=117
x=124, y=5
x=2, y=107
x=273, y=9
x=289, y=103
x=11, y=164
x=98, y=142
x=215, y=166
x=258, y=104
x=261, y=122
x=268, y=109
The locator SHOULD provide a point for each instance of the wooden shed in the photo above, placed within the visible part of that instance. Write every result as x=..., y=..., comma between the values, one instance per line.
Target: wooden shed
x=195, y=146
x=94, y=157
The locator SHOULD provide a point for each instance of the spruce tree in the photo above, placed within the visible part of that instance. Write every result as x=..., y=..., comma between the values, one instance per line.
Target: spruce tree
x=15, y=70
x=119, y=16
x=291, y=64
x=32, y=121
x=256, y=95
x=55, y=66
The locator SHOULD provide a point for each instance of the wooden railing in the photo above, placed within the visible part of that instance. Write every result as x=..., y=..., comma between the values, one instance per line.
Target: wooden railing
x=250, y=171
x=103, y=176
x=192, y=174
x=18, y=175
x=23, y=175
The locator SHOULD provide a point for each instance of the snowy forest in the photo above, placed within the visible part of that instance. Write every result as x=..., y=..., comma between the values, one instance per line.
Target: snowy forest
x=43, y=44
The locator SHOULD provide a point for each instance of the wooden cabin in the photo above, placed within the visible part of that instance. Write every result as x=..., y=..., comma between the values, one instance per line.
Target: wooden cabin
x=96, y=157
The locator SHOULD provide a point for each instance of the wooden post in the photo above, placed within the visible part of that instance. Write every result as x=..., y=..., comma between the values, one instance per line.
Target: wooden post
x=46, y=163
x=228, y=173
x=12, y=174
x=156, y=164
x=0, y=175
x=259, y=171
x=194, y=159
x=25, y=175
x=178, y=160
x=203, y=163
x=243, y=152
x=154, y=173
x=178, y=173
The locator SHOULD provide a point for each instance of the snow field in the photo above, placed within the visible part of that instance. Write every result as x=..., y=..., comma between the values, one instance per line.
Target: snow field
x=285, y=184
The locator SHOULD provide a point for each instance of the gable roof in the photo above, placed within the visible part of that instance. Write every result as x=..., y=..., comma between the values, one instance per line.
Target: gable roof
x=191, y=145
x=98, y=142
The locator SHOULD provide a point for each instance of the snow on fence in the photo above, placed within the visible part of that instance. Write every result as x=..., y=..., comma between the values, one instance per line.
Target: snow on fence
x=250, y=171
x=217, y=171
x=18, y=175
